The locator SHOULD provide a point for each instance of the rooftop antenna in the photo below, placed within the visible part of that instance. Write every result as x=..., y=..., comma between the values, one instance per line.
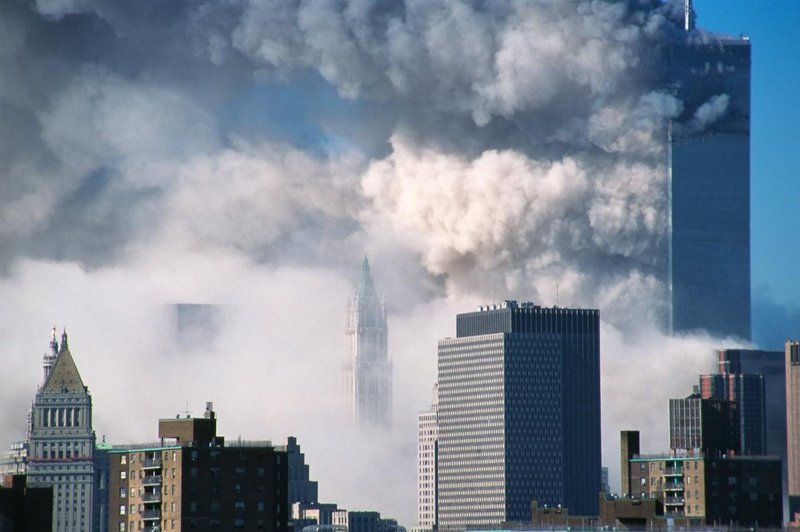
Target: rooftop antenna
x=688, y=15
x=187, y=412
x=556, y=294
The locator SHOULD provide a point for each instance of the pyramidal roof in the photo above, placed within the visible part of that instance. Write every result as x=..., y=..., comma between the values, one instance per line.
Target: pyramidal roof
x=64, y=377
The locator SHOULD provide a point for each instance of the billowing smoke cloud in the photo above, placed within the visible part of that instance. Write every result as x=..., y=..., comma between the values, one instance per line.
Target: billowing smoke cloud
x=247, y=154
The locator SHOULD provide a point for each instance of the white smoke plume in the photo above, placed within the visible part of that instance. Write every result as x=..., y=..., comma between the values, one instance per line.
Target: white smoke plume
x=247, y=154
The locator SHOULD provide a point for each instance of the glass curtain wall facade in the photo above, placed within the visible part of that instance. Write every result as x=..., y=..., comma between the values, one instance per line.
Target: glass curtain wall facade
x=519, y=414
x=709, y=176
x=747, y=391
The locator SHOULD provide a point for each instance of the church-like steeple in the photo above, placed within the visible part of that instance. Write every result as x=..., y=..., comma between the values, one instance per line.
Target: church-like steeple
x=64, y=344
x=50, y=356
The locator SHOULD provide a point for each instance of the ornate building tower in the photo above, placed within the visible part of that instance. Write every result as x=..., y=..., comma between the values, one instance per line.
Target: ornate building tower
x=367, y=371
x=62, y=441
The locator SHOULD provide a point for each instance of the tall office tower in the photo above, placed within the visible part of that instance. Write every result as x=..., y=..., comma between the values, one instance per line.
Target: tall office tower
x=367, y=370
x=772, y=366
x=709, y=175
x=427, y=464
x=747, y=391
x=793, y=427
x=519, y=414
x=710, y=426
x=62, y=441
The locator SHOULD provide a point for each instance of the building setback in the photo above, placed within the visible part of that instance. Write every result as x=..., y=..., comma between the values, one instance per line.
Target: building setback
x=192, y=480
x=62, y=441
x=519, y=414
x=367, y=370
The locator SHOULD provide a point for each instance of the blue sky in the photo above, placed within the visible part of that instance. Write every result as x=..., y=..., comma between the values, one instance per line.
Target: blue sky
x=775, y=141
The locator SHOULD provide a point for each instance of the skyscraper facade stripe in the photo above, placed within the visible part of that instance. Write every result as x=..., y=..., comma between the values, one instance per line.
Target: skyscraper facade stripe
x=519, y=414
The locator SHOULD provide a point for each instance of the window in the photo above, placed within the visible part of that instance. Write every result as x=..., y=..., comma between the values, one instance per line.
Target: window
x=123, y=492
x=122, y=527
x=123, y=459
x=122, y=508
x=123, y=475
x=239, y=506
x=192, y=506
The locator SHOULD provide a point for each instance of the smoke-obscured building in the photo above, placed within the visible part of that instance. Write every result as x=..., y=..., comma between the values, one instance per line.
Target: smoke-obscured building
x=367, y=370
x=62, y=441
x=427, y=464
x=709, y=176
x=519, y=414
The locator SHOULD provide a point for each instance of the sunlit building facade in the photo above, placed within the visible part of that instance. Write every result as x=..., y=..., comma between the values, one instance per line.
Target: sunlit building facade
x=519, y=414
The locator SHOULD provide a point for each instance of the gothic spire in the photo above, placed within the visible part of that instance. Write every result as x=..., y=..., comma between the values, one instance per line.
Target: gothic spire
x=366, y=289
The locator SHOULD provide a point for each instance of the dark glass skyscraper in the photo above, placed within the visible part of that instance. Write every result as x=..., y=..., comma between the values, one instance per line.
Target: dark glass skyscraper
x=709, y=176
x=519, y=414
x=747, y=391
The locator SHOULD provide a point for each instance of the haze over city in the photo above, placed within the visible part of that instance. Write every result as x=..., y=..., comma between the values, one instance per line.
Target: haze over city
x=249, y=154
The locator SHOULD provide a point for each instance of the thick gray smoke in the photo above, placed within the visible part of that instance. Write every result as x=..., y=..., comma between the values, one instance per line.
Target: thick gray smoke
x=248, y=153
